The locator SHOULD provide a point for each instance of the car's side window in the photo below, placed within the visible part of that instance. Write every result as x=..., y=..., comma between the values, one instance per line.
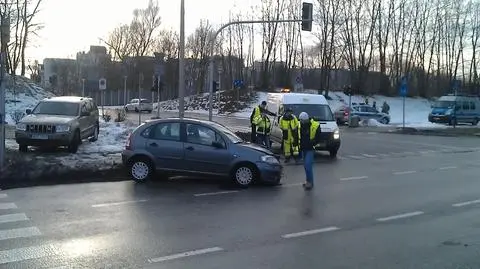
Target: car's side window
x=198, y=134
x=466, y=106
x=166, y=131
x=472, y=105
x=373, y=110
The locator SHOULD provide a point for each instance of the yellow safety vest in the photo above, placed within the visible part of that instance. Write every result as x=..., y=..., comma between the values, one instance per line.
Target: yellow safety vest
x=256, y=113
x=314, y=125
x=263, y=124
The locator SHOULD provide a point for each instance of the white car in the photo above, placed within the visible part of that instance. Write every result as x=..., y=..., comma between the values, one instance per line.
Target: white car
x=139, y=105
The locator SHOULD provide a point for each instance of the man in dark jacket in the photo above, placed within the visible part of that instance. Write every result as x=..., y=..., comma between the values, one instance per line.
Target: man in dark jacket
x=257, y=111
x=309, y=137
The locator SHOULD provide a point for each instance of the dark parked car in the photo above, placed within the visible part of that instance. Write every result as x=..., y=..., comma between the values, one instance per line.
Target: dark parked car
x=176, y=146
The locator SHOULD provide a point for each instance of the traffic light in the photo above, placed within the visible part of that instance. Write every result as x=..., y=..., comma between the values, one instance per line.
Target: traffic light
x=307, y=16
x=215, y=86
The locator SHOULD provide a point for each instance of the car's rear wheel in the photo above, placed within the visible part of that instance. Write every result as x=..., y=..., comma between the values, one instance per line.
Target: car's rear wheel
x=136, y=110
x=244, y=175
x=384, y=121
x=141, y=169
x=22, y=148
x=95, y=134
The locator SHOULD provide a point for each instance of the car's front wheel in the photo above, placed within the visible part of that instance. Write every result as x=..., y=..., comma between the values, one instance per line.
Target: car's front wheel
x=22, y=148
x=141, y=170
x=75, y=143
x=244, y=175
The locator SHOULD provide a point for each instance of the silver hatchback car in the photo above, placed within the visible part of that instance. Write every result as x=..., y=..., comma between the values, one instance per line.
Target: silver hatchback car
x=172, y=147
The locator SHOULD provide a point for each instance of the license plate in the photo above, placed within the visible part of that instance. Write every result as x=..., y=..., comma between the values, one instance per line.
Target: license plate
x=436, y=118
x=40, y=136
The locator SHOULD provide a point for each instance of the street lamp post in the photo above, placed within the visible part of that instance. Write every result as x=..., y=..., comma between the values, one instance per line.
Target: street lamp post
x=181, y=62
x=125, y=90
x=5, y=38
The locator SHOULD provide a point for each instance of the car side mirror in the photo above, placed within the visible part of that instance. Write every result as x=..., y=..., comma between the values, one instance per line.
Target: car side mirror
x=28, y=111
x=217, y=145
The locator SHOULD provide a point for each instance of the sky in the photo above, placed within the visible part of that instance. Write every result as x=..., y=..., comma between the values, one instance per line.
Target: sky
x=71, y=26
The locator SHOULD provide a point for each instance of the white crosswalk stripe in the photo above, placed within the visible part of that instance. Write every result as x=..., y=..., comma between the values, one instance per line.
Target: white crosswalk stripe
x=24, y=235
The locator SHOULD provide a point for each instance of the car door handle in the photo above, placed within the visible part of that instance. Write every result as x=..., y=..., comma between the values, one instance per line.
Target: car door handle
x=189, y=148
x=153, y=144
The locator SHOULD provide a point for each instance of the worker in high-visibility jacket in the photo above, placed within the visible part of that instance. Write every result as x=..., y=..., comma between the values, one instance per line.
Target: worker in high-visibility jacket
x=264, y=126
x=262, y=108
x=289, y=125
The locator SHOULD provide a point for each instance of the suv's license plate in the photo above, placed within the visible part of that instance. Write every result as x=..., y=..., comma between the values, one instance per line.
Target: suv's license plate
x=40, y=136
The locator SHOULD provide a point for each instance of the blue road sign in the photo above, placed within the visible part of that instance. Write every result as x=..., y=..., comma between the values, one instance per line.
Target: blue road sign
x=238, y=83
x=403, y=87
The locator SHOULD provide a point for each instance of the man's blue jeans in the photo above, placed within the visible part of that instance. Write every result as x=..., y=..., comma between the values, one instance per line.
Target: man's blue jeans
x=308, y=165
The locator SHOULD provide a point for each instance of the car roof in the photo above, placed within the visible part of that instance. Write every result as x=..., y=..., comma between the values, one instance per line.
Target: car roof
x=176, y=119
x=300, y=98
x=70, y=99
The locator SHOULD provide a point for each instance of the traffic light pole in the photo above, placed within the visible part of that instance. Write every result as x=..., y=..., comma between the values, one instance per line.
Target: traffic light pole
x=212, y=47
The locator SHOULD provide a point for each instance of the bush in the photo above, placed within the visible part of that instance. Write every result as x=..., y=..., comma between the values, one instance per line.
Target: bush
x=121, y=115
x=107, y=117
x=17, y=116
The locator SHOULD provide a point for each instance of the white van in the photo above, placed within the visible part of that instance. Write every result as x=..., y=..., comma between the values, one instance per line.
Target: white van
x=317, y=108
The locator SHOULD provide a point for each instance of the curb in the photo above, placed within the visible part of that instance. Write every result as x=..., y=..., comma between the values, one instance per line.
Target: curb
x=64, y=177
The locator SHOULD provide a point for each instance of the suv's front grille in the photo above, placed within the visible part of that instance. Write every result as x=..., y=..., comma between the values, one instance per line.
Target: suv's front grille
x=41, y=128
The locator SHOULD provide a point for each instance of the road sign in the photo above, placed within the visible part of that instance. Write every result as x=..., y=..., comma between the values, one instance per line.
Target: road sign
x=238, y=83
x=403, y=87
x=102, y=84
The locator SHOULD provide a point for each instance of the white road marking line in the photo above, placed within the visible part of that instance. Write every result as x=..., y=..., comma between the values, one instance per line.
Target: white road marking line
x=119, y=203
x=22, y=254
x=19, y=233
x=369, y=155
x=3, y=195
x=409, y=153
x=353, y=178
x=466, y=203
x=401, y=216
x=404, y=173
x=447, y=167
x=213, y=193
x=13, y=218
x=311, y=232
x=186, y=254
x=355, y=157
x=8, y=206
x=61, y=267
x=383, y=154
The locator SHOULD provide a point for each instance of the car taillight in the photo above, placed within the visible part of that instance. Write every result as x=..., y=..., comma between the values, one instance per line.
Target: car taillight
x=128, y=144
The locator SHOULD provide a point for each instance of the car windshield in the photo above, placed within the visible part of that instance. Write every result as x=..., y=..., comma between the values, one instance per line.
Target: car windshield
x=231, y=135
x=443, y=104
x=57, y=108
x=144, y=101
x=315, y=111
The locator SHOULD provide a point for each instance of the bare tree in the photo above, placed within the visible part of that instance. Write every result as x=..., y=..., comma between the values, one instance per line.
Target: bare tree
x=138, y=37
x=167, y=43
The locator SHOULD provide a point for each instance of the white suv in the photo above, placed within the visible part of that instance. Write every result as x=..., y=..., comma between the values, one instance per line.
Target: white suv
x=139, y=105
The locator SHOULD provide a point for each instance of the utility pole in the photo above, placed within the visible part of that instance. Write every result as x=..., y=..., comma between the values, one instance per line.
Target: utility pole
x=5, y=38
x=158, y=96
x=83, y=87
x=140, y=82
x=125, y=90
x=181, y=63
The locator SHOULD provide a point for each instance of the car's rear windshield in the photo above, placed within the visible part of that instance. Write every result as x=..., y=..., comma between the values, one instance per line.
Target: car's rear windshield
x=57, y=108
x=316, y=111
x=144, y=101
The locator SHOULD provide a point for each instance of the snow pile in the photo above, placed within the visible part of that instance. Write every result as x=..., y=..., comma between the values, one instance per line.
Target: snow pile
x=21, y=93
x=103, y=154
x=224, y=102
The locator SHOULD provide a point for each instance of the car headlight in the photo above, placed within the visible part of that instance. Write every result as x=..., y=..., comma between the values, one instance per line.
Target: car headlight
x=21, y=127
x=336, y=134
x=269, y=159
x=62, y=128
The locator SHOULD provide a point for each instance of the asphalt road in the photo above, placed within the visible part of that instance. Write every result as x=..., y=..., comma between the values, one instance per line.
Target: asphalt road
x=402, y=202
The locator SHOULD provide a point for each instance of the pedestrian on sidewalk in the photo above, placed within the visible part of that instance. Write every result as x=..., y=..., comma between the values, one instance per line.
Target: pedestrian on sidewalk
x=309, y=134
